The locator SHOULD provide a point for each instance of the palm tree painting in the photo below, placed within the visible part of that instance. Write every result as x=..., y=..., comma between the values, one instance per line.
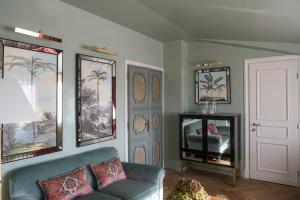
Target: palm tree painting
x=213, y=85
x=31, y=65
x=97, y=112
x=38, y=74
x=99, y=76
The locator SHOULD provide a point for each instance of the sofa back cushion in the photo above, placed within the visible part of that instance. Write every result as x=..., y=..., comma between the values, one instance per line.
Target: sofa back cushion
x=24, y=181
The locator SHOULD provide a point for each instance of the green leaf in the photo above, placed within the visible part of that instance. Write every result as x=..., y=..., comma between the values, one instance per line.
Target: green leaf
x=205, y=82
x=218, y=80
x=211, y=77
x=16, y=64
x=37, y=60
x=45, y=66
x=207, y=77
x=18, y=58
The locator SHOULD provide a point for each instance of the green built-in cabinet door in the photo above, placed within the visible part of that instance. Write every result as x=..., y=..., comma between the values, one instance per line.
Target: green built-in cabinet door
x=138, y=111
x=155, y=111
x=145, y=116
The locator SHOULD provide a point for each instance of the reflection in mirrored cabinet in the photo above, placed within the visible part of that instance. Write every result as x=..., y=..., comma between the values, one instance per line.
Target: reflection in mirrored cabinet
x=211, y=139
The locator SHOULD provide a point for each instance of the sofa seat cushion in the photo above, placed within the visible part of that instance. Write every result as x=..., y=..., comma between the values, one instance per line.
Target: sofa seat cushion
x=130, y=189
x=97, y=196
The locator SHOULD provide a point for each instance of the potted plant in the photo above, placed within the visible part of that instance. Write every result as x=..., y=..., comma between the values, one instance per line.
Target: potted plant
x=189, y=189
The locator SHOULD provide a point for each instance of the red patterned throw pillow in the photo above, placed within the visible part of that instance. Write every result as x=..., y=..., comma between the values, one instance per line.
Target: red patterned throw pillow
x=67, y=186
x=212, y=128
x=108, y=172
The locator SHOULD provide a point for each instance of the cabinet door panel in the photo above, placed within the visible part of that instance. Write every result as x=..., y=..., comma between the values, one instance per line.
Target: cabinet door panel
x=139, y=137
x=138, y=88
x=211, y=139
x=156, y=136
x=155, y=89
x=156, y=119
x=219, y=141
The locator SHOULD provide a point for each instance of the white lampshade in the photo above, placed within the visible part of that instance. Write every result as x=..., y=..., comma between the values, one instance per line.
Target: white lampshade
x=14, y=105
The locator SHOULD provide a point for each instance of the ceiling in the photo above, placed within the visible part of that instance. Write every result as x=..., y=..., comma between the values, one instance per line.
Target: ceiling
x=192, y=20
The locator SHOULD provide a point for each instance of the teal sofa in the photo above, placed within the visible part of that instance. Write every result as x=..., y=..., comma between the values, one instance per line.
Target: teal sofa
x=143, y=181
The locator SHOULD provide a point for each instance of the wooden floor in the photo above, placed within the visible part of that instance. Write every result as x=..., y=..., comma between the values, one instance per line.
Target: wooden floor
x=243, y=190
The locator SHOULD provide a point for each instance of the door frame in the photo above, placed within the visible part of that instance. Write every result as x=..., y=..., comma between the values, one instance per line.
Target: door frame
x=246, y=105
x=142, y=65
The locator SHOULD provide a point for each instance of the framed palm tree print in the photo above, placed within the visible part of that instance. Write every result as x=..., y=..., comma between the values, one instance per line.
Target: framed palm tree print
x=96, y=100
x=212, y=84
x=38, y=69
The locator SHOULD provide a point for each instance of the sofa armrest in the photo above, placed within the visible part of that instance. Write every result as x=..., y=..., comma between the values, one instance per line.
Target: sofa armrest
x=194, y=138
x=145, y=173
x=214, y=139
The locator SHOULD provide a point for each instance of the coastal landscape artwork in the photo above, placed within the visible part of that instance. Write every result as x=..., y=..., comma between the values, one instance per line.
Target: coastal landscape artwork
x=38, y=69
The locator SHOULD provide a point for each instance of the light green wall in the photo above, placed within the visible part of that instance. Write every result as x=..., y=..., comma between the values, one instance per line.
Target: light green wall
x=175, y=68
x=179, y=64
x=231, y=53
x=77, y=27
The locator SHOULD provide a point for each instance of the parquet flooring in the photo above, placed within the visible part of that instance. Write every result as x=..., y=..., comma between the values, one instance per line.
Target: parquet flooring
x=243, y=190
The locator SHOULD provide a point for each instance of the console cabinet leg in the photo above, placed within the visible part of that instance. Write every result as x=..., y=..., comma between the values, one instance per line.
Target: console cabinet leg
x=234, y=176
x=182, y=165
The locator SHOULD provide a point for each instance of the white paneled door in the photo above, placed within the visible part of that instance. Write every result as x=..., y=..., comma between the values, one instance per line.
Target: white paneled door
x=273, y=110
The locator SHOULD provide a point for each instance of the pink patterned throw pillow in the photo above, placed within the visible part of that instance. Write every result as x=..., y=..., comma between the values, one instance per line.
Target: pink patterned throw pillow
x=108, y=172
x=212, y=128
x=67, y=186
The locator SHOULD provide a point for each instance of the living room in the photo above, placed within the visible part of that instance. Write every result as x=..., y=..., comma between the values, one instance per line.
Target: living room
x=169, y=42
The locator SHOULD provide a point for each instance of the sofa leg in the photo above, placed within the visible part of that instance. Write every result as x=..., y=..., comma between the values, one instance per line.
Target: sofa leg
x=234, y=176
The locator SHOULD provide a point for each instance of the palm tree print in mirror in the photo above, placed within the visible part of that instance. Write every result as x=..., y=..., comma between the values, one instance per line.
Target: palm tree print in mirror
x=213, y=85
x=96, y=100
x=37, y=69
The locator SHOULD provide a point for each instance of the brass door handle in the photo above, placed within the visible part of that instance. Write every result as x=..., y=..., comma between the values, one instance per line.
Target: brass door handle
x=254, y=124
x=147, y=124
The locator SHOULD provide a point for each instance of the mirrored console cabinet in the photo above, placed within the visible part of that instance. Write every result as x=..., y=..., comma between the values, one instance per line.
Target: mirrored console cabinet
x=210, y=139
